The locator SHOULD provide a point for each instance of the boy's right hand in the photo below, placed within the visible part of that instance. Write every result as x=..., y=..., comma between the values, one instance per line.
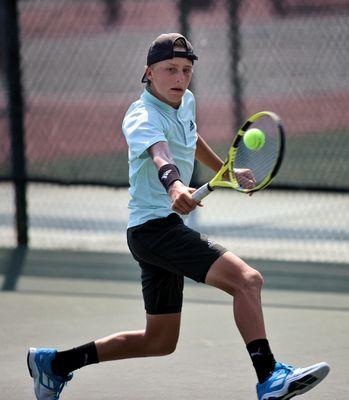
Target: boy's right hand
x=182, y=201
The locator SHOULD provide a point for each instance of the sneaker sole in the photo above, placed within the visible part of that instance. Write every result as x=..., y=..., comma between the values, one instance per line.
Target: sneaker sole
x=307, y=382
x=30, y=362
x=33, y=370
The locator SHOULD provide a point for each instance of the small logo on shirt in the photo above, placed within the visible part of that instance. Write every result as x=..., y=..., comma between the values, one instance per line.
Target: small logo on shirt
x=192, y=126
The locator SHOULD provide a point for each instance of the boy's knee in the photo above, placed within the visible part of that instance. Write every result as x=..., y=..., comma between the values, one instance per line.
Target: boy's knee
x=163, y=348
x=256, y=279
x=233, y=275
x=169, y=348
x=252, y=281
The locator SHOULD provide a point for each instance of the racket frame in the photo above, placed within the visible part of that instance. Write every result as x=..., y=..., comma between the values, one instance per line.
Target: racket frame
x=228, y=166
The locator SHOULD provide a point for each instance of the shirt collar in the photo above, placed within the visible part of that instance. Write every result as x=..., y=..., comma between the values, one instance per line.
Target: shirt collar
x=149, y=98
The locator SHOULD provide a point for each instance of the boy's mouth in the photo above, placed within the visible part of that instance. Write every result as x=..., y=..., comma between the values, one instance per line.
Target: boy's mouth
x=179, y=90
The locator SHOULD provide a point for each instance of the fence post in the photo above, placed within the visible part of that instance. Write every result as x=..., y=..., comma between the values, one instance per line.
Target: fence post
x=235, y=46
x=16, y=117
x=184, y=12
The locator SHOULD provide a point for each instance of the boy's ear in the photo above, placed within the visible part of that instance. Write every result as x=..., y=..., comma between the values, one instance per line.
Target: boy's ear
x=149, y=73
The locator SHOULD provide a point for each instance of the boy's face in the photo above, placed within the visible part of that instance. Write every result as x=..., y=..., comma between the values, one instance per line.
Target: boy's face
x=170, y=79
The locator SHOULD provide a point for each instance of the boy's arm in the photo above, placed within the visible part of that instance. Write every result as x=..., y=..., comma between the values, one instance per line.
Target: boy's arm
x=178, y=192
x=206, y=155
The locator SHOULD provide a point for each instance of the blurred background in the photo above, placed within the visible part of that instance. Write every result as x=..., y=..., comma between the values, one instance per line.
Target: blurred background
x=69, y=69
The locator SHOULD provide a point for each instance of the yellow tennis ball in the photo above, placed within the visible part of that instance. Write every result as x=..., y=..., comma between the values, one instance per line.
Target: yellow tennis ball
x=254, y=139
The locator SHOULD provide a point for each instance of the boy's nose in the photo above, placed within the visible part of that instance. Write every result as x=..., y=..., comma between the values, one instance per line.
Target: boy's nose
x=180, y=76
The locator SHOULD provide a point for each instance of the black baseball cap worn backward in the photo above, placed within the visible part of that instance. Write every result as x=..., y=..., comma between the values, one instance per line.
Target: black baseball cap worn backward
x=163, y=49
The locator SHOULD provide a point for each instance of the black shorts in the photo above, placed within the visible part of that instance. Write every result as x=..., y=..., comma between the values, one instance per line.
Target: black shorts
x=167, y=250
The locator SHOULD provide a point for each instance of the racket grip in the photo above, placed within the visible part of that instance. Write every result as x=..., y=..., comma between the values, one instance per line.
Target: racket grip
x=202, y=192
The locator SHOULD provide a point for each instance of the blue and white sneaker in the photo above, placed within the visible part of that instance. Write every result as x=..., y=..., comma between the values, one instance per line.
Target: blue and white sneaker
x=47, y=385
x=287, y=381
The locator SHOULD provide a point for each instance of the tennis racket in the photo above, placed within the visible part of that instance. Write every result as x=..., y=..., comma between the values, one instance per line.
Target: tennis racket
x=246, y=170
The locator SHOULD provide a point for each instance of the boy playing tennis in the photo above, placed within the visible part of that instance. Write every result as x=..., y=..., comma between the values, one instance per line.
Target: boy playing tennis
x=163, y=142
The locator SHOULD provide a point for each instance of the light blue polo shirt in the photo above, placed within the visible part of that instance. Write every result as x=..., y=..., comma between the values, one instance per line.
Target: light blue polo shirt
x=148, y=121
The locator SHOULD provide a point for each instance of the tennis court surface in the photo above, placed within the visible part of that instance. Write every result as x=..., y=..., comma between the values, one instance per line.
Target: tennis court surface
x=63, y=299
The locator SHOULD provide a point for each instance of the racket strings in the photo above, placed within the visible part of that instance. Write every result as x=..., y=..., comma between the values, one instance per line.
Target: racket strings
x=260, y=162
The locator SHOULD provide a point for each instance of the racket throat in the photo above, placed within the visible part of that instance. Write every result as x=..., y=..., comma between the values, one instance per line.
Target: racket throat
x=210, y=188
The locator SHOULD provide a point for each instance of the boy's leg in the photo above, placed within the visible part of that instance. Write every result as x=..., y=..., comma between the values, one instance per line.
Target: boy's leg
x=234, y=276
x=158, y=339
x=277, y=381
x=51, y=369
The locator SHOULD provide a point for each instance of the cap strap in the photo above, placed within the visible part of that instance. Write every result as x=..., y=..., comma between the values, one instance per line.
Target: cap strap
x=185, y=54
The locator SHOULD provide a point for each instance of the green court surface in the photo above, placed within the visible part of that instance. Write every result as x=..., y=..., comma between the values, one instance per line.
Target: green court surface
x=63, y=299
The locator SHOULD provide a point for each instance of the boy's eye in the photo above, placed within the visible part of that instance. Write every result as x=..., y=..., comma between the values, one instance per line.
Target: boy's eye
x=173, y=70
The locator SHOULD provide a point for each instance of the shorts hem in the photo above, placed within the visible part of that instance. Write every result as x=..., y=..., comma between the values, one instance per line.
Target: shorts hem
x=202, y=278
x=163, y=312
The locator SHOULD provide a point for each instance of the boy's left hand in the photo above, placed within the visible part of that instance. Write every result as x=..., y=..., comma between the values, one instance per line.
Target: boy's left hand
x=245, y=178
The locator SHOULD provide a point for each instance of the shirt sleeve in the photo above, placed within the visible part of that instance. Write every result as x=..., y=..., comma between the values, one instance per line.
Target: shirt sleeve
x=142, y=129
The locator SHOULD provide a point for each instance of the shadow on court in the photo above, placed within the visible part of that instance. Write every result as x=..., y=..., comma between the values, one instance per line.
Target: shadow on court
x=285, y=275
x=63, y=299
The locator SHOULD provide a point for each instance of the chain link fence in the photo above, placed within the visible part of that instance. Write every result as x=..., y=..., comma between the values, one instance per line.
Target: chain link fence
x=82, y=62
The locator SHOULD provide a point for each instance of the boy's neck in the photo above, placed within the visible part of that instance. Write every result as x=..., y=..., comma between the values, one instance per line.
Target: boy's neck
x=148, y=88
